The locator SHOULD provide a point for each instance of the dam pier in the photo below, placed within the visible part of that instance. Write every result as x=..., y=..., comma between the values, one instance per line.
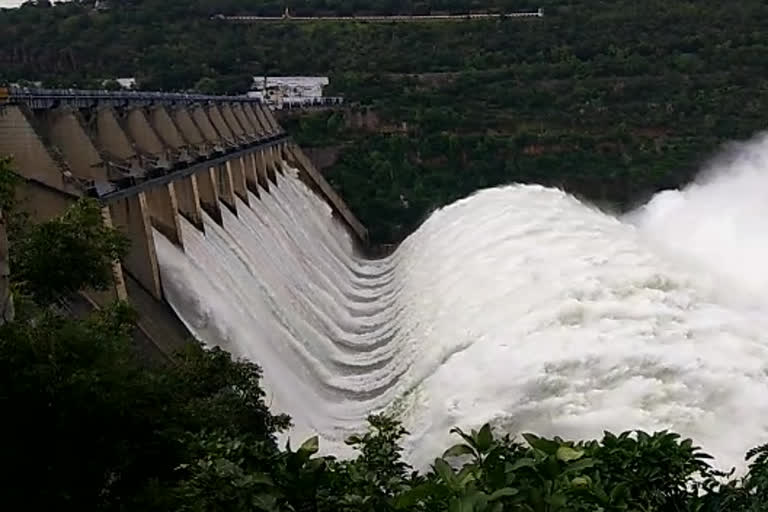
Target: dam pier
x=151, y=159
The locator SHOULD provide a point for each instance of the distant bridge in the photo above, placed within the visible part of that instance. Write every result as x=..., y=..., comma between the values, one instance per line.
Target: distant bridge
x=287, y=17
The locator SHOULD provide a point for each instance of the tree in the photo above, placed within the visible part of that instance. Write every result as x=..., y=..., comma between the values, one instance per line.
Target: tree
x=89, y=424
x=6, y=299
x=112, y=85
x=66, y=254
x=207, y=85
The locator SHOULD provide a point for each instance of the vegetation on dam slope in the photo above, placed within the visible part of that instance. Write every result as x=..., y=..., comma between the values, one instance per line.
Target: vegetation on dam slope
x=90, y=425
x=610, y=100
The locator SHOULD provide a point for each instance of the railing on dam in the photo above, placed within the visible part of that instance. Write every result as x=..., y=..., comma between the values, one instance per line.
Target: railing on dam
x=130, y=185
x=308, y=103
x=47, y=98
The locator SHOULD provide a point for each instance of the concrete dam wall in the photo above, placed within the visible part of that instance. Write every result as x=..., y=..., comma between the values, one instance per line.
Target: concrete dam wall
x=151, y=159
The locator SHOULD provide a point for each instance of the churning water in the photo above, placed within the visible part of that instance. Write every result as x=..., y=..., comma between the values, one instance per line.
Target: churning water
x=518, y=305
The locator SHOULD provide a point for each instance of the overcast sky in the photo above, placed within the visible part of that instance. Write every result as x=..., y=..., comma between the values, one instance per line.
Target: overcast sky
x=14, y=3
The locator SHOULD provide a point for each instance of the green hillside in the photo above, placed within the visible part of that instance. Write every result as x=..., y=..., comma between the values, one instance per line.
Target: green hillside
x=610, y=100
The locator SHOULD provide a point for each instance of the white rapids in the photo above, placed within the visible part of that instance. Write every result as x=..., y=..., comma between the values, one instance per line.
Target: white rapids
x=518, y=305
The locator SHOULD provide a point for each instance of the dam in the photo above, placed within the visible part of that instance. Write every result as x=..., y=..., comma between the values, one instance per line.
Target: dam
x=519, y=305
x=152, y=159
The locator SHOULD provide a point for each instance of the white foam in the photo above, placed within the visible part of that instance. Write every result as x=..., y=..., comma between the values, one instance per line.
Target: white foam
x=518, y=305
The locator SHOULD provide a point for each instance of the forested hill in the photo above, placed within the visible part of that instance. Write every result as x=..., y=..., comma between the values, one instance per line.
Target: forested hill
x=612, y=100
x=171, y=44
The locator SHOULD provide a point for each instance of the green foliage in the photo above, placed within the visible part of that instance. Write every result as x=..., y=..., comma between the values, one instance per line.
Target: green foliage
x=8, y=183
x=372, y=480
x=224, y=395
x=654, y=469
x=756, y=483
x=113, y=431
x=654, y=472
x=634, y=471
x=63, y=393
x=66, y=254
x=112, y=85
x=228, y=474
x=206, y=85
x=56, y=258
